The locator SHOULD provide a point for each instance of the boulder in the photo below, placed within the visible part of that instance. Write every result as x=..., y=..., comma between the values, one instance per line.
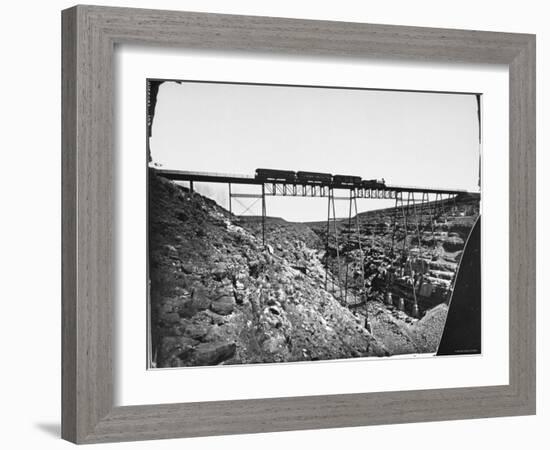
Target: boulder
x=186, y=309
x=176, y=347
x=215, y=318
x=167, y=314
x=187, y=268
x=196, y=330
x=213, y=353
x=201, y=298
x=453, y=243
x=275, y=344
x=223, y=305
x=254, y=267
x=220, y=271
x=224, y=290
x=169, y=318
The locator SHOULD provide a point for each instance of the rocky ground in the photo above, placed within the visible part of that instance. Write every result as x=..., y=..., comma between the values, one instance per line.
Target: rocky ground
x=414, y=260
x=218, y=296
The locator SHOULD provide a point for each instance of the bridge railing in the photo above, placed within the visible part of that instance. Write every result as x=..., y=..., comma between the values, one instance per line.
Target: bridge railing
x=245, y=179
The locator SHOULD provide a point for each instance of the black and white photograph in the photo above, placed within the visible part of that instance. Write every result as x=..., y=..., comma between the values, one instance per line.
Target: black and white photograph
x=290, y=223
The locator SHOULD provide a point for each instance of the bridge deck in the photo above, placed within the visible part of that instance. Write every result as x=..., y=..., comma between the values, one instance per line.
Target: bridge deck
x=209, y=177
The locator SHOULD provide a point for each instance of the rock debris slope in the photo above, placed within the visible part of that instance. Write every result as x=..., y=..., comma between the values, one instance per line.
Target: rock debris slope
x=218, y=297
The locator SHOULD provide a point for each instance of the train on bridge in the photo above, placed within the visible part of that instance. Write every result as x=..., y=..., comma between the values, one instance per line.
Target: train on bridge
x=317, y=178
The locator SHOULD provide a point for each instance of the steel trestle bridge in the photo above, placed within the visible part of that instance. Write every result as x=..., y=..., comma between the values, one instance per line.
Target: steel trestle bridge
x=297, y=188
x=412, y=204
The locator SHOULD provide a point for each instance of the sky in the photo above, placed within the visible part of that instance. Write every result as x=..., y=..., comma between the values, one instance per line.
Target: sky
x=407, y=138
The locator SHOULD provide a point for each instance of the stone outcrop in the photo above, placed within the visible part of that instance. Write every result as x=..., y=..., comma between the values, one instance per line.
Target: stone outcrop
x=423, y=251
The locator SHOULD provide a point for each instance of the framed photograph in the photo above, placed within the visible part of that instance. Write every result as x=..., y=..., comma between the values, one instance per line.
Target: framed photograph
x=279, y=224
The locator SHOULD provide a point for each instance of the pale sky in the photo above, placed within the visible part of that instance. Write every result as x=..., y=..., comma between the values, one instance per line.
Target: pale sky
x=408, y=138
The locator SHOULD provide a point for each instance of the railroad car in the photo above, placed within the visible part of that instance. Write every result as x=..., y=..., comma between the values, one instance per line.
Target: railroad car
x=373, y=184
x=287, y=176
x=314, y=177
x=347, y=180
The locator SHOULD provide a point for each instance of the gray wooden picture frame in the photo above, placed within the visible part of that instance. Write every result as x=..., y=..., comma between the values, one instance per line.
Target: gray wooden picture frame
x=89, y=37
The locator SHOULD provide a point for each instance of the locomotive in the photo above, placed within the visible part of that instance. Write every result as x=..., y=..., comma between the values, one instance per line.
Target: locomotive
x=373, y=184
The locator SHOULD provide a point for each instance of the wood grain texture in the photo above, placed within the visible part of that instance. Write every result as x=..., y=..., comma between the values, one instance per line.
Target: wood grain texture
x=68, y=225
x=89, y=36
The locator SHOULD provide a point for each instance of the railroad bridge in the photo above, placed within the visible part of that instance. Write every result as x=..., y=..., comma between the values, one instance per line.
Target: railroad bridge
x=412, y=203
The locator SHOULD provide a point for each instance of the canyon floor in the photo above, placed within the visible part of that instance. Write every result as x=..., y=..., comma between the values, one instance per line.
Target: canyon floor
x=219, y=296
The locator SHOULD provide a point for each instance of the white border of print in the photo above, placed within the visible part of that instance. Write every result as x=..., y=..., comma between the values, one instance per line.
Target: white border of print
x=135, y=385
